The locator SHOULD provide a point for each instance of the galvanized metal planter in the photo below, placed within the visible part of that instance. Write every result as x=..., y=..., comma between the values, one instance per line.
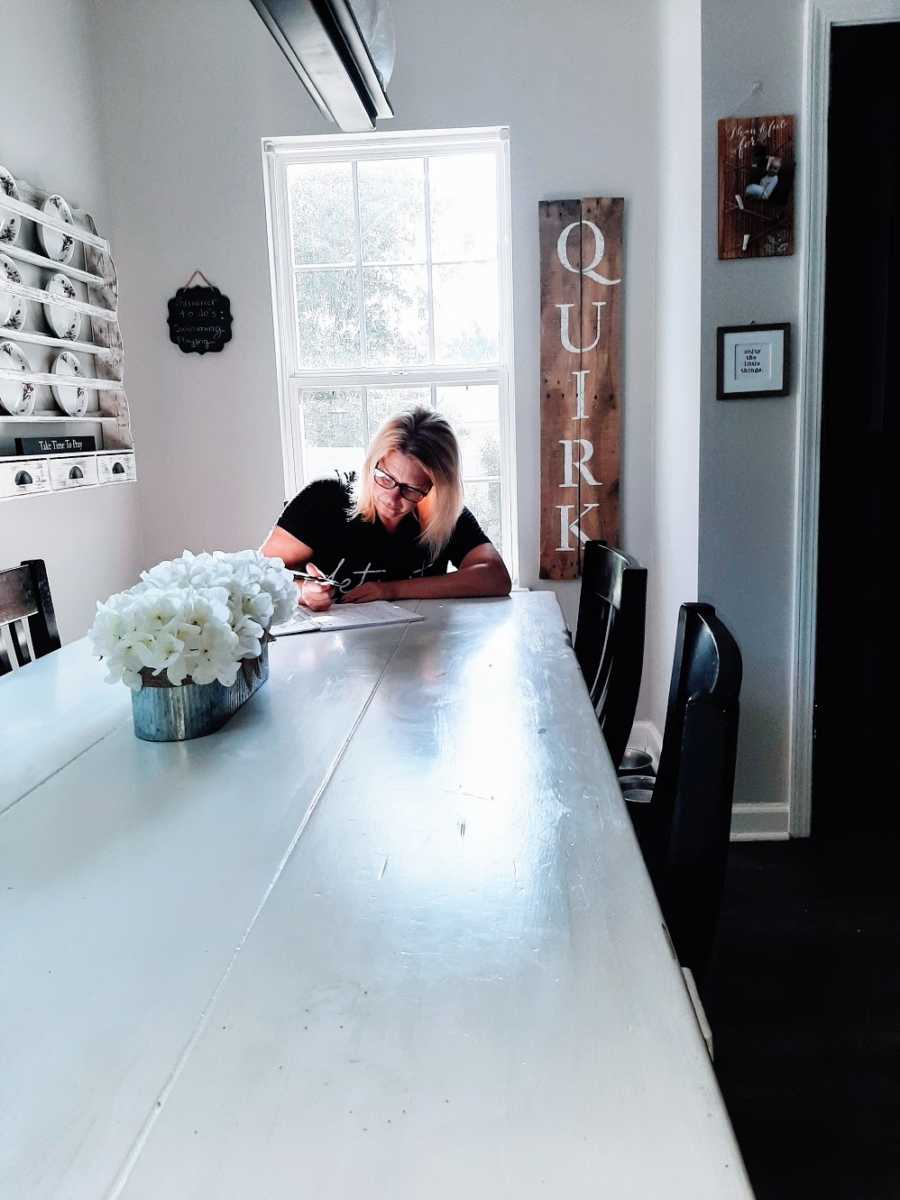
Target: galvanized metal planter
x=174, y=714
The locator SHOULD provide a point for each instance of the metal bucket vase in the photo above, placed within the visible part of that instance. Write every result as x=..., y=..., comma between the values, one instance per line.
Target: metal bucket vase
x=163, y=713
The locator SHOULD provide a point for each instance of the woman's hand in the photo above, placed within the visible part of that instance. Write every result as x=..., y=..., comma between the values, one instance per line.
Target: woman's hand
x=315, y=596
x=366, y=592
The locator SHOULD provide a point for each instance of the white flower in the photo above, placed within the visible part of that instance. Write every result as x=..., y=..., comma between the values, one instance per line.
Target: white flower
x=195, y=617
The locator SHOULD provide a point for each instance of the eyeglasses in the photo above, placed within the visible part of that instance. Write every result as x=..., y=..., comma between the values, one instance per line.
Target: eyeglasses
x=406, y=490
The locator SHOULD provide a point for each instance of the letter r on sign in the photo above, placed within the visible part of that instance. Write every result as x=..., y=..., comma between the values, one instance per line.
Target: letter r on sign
x=569, y=463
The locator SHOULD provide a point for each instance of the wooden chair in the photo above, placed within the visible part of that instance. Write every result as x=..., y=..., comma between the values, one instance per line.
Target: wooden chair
x=27, y=620
x=683, y=825
x=609, y=639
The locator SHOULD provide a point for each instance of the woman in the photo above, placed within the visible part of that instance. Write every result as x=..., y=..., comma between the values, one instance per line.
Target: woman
x=407, y=523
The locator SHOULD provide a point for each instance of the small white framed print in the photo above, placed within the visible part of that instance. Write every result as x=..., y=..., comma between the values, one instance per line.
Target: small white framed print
x=753, y=361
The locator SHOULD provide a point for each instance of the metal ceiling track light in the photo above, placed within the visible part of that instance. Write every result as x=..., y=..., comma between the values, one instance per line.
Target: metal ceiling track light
x=342, y=51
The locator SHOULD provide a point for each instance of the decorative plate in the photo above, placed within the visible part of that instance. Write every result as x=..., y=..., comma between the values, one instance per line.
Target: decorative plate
x=62, y=320
x=12, y=308
x=10, y=223
x=72, y=400
x=16, y=398
x=16, y=319
x=58, y=246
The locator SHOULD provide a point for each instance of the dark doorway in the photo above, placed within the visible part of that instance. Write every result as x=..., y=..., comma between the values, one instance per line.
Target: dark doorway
x=851, y=792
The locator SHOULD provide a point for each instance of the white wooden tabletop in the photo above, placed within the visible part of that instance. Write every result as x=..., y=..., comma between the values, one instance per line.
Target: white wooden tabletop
x=387, y=934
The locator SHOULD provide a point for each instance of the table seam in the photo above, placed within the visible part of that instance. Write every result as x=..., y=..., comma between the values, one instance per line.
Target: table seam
x=62, y=767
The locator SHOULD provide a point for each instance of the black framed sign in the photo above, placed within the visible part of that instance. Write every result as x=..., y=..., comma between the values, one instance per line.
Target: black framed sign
x=199, y=318
x=753, y=362
x=55, y=445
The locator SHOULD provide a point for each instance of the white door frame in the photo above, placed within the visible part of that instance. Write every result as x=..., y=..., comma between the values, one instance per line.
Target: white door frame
x=821, y=17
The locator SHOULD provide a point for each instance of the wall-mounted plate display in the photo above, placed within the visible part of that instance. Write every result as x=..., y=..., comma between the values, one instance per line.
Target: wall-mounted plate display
x=72, y=400
x=62, y=320
x=10, y=223
x=16, y=398
x=12, y=308
x=58, y=246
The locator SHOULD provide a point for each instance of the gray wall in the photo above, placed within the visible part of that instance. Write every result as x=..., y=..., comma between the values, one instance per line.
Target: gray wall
x=90, y=539
x=748, y=448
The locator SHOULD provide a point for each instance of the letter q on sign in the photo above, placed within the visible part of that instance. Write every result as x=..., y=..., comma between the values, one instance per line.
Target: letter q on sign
x=562, y=251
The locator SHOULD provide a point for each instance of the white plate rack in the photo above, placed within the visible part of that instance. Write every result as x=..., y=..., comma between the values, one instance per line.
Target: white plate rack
x=107, y=417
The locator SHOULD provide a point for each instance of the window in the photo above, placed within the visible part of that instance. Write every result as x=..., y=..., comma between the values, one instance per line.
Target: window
x=391, y=279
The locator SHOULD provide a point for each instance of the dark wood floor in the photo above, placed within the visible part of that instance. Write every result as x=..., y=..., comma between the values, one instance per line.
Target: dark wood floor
x=803, y=995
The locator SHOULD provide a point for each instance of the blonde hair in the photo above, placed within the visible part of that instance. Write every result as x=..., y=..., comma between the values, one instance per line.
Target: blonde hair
x=429, y=439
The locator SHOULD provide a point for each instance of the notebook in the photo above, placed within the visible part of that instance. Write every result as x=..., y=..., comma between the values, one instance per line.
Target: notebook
x=346, y=616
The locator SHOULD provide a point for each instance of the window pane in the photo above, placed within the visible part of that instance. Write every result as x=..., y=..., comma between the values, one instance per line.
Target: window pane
x=385, y=402
x=484, y=501
x=321, y=207
x=396, y=315
x=392, y=210
x=327, y=319
x=334, y=432
x=465, y=314
x=472, y=411
x=463, y=190
x=462, y=403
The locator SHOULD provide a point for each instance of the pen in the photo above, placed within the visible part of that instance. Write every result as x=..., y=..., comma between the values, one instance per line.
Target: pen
x=323, y=579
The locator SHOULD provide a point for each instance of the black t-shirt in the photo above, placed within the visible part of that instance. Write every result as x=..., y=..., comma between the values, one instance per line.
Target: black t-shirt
x=353, y=551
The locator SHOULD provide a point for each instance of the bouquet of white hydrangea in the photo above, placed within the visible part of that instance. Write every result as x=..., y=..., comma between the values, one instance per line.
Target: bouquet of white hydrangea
x=195, y=618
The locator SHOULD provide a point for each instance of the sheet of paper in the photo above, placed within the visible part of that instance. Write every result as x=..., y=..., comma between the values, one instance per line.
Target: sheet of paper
x=346, y=616
x=300, y=621
x=360, y=616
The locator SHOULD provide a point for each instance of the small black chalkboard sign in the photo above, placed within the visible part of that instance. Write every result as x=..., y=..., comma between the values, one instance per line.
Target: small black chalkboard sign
x=54, y=445
x=199, y=318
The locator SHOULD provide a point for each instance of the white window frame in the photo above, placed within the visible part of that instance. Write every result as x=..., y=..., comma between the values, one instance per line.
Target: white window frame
x=279, y=154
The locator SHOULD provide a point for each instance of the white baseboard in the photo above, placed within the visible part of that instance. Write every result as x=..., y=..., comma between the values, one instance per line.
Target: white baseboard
x=760, y=823
x=749, y=822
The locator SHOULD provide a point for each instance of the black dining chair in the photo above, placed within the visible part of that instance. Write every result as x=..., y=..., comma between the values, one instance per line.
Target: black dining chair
x=27, y=620
x=609, y=638
x=682, y=818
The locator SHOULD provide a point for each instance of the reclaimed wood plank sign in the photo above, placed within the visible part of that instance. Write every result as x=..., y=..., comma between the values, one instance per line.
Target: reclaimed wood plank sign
x=756, y=187
x=581, y=320
x=199, y=317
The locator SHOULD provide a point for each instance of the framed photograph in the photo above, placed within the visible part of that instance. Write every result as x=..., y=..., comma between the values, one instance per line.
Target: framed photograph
x=756, y=187
x=753, y=361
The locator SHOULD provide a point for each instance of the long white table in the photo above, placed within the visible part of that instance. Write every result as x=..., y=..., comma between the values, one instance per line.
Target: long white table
x=388, y=934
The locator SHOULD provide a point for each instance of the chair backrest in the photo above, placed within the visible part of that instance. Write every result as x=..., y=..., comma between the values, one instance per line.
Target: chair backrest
x=688, y=848
x=27, y=620
x=609, y=638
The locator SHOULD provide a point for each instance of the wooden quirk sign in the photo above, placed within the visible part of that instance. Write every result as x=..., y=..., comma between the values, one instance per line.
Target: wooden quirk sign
x=581, y=305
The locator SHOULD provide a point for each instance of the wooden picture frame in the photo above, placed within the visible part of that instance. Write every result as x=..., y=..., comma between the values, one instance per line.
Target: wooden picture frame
x=753, y=362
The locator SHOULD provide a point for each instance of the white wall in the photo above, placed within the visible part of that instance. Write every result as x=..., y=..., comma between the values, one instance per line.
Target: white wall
x=676, y=432
x=191, y=87
x=748, y=448
x=50, y=136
